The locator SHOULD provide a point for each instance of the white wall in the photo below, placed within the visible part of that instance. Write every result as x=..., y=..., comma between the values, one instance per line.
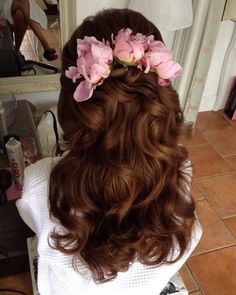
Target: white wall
x=211, y=89
x=89, y=7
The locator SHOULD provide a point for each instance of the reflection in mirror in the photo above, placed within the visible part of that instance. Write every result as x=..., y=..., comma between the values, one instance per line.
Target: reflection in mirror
x=29, y=44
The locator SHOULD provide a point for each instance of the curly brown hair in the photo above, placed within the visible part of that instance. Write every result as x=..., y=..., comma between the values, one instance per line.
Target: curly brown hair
x=120, y=192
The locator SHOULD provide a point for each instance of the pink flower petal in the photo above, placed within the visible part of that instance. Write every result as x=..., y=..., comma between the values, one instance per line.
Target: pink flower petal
x=145, y=64
x=101, y=51
x=72, y=73
x=99, y=71
x=168, y=70
x=157, y=57
x=163, y=82
x=83, y=91
x=138, y=50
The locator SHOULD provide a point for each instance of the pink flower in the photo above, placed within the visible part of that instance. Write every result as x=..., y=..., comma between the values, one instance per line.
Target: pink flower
x=93, y=64
x=156, y=54
x=84, y=91
x=95, y=59
x=144, y=40
x=128, y=48
x=163, y=82
x=72, y=73
x=158, y=58
x=169, y=69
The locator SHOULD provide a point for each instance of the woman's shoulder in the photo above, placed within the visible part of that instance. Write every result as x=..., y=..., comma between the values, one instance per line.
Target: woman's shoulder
x=33, y=205
x=44, y=163
x=39, y=171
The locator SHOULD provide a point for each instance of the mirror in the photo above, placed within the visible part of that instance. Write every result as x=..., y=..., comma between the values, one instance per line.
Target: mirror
x=69, y=19
x=41, y=43
x=57, y=33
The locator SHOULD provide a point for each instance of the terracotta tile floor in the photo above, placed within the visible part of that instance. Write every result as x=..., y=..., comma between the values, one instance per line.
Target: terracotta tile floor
x=211, y=269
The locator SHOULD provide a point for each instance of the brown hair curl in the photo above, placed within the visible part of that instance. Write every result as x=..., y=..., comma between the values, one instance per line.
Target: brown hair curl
x=120, y=191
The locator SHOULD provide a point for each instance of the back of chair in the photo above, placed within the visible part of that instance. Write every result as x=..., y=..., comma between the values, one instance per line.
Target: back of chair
x=10, y=65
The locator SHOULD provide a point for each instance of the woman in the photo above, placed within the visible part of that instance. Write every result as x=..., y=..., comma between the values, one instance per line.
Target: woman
x=114, y=215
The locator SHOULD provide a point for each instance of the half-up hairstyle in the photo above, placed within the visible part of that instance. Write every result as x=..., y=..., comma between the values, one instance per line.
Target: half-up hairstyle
x=120, y=192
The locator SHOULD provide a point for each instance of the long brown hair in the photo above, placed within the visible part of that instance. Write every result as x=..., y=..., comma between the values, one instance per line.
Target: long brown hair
x=120, y=191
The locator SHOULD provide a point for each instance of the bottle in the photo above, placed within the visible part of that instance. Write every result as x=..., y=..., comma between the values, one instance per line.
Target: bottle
x=3, y=126
x=16, y=159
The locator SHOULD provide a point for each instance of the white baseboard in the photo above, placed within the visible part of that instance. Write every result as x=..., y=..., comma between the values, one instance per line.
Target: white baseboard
x=207, y=103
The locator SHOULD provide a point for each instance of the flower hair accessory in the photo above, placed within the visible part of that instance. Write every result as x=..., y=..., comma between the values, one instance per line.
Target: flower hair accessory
x=96, y=58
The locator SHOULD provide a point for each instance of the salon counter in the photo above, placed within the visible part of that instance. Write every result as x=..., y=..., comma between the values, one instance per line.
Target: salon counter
x=13, y=231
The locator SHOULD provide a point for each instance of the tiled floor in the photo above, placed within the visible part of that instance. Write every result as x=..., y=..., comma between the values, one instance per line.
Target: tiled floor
x=211, y=269
x=30, y=49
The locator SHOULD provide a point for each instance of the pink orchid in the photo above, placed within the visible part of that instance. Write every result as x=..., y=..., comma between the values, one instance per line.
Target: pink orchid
x=128, y=48
x=93, y=64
